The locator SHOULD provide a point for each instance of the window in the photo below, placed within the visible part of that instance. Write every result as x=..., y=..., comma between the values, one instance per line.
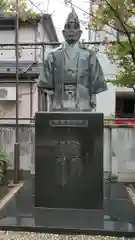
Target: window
x=3, y=93
x=7, y=23
x=125, y=102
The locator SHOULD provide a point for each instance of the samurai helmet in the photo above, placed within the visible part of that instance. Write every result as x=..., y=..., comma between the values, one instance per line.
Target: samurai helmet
x=72, y=31
x=72, y=18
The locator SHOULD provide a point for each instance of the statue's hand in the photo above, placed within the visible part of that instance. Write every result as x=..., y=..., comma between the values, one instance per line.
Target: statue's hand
x=93, y=105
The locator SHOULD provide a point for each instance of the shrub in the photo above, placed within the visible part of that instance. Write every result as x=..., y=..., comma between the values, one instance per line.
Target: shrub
x=3, y=164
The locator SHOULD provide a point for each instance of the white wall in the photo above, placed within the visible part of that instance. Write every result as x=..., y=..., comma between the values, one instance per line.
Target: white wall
x=8, y=108
x=42, y=37
x=7, y=53
x=24, y=106
x=122, y=152
x=105, y=102
x=27, y=33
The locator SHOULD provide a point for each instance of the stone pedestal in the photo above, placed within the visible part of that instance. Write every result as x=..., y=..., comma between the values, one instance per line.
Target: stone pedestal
x=69, y=160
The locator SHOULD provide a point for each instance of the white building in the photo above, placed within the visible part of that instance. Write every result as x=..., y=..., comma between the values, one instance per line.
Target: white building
x=116, y=101
x=40, y=29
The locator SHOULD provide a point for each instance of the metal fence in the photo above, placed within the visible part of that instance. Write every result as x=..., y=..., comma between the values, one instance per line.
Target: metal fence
x=118, y=148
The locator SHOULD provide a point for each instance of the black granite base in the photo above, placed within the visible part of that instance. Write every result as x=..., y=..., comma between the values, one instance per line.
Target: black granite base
x=69, y=160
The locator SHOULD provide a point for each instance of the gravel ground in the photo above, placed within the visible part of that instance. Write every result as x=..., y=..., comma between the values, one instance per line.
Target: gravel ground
x=38, y=236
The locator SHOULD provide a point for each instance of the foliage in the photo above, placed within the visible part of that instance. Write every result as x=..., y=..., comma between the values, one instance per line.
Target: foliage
x=8, y=8
x=119, y=16
x=3, y=163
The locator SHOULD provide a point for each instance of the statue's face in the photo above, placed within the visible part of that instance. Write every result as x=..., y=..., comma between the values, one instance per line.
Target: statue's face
x=72, y=32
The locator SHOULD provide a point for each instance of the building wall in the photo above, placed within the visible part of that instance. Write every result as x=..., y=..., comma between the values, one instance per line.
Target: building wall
x=42, y=37
x=7, y=53
x=8, y=108
x=106, y=101
x=27, y=34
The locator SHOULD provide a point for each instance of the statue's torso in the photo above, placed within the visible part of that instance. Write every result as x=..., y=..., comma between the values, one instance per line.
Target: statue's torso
x=71, y=78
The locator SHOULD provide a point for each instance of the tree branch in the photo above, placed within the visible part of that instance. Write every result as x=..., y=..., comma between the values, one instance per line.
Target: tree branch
x=126, y=32
x=105, y=22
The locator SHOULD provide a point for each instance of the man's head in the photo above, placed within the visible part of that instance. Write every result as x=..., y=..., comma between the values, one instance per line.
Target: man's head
x=72, y=31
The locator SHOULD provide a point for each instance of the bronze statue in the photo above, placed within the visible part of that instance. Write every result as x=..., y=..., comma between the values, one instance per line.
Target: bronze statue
x=73, y=71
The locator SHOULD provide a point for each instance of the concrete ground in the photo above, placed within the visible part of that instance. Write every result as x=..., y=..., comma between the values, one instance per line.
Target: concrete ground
x=17, y=212
x=38, y=236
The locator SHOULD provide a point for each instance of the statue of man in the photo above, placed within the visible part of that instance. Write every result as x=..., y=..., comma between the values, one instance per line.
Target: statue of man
x=72, y=71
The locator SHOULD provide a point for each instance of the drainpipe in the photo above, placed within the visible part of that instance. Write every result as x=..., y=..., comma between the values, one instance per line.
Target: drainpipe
x=110, y=163
x=31, y=100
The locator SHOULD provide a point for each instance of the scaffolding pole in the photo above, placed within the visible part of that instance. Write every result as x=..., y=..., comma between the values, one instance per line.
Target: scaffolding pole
x=51, y=43
x=17, y=144
x=90, y=10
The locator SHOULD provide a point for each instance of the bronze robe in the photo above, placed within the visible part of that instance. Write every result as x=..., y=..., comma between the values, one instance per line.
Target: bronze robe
x=73, y=70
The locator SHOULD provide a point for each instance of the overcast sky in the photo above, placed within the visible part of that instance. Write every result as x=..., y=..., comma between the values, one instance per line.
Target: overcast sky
x=59, y=12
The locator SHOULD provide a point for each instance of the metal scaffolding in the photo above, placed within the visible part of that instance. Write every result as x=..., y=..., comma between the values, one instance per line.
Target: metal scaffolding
x=17, y=144
x=23, y=44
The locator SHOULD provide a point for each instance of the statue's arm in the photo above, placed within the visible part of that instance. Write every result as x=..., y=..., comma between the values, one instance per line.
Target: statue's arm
x=98, y=83
x=46, y=73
